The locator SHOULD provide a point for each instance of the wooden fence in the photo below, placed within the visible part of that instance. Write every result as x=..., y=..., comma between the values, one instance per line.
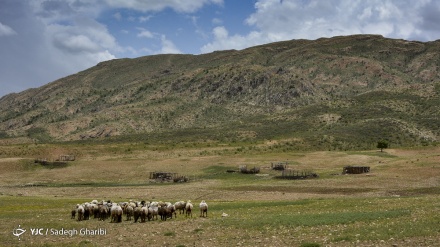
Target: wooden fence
x=168, y=177
x=280, y=166
x=355, y=169
x=245, y=170
x=295, y=174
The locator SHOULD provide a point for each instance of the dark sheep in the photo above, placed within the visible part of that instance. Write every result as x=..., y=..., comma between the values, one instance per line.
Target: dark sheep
x=137, y=213
x=162, y=212
x=86, y=212
x=129, y=212
x=103, y=212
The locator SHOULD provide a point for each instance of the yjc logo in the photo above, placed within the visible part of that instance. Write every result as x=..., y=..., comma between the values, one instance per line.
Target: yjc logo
x=18, y=231
x=37, y=231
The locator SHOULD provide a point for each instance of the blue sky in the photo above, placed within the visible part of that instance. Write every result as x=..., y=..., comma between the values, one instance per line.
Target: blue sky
x=44, y=40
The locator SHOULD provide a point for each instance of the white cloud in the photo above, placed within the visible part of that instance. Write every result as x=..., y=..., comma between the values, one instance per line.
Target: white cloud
x=145, y=33
x=216, y=21
x=117, y=16
x=143, y=19
x=275, y=20
x=100, y=56
x=168, y=47
x=6, y=30
x=223, y=41
x=310, y=20
x=84, y=34
x=75, y=43
x=366, y=14
x=185, y=6
x=50, y=11
x=130, y=50
x=383, y=28
x=220, y=33
x=49, y=45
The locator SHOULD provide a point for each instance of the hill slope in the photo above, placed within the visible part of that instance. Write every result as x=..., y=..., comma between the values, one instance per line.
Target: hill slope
x=342, y=92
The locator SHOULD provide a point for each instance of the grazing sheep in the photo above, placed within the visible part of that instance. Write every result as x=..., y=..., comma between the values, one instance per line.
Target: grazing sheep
x=165, y=210
x=80, y=210
x=170, y=210
x=132, y=204
x=203, y=209
x=116, y=213
x=143, y=203
x=87, y=211
x=73, y=213
x=139, y=210
x=162, y=212
x=95, y=208
x=180, y=205
x=103, y=212
x=153, y=210
x=188, y=208
x=129, y=212
x=137, y=213
x=144, y=214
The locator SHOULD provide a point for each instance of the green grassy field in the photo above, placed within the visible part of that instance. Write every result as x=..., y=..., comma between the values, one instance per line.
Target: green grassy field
x=408, y=221
x=396, y=204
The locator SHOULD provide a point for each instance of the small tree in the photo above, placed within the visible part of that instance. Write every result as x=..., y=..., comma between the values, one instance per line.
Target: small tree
x=382, y=144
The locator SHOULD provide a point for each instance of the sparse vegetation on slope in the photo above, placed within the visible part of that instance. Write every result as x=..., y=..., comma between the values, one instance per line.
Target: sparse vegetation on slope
x=337, y=93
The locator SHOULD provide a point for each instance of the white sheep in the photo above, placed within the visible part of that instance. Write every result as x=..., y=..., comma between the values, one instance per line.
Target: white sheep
x=153, y=209
x=188, y=208
x=203, y=209
x=116, y=213
x=132, y=204
x=180, y=205
x=80, y=210
x=145, y=214
x=143, y=210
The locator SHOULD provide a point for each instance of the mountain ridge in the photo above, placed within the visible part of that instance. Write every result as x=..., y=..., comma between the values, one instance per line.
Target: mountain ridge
x=334, y=86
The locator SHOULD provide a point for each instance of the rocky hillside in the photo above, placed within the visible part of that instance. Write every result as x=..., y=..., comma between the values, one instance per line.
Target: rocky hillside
x=342, y=92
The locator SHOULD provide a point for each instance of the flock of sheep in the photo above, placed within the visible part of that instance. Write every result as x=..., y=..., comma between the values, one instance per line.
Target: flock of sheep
x=133, y=210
